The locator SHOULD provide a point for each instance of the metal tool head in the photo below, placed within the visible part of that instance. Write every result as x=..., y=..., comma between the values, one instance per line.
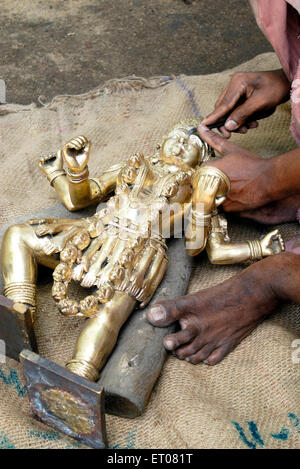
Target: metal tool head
x=192, y=131
x=216, y=125
x=65, y=401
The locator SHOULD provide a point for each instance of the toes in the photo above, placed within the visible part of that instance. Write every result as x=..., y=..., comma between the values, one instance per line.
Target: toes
x=192, y=348
x=218, y=354
x=166, y=312
x=202, y=355
x=158, y=315
x=173, y=341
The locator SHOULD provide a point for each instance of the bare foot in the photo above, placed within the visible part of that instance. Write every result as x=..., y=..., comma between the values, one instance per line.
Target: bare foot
x=215, y=320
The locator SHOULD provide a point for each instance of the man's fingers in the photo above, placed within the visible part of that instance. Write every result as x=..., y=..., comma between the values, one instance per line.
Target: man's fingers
x=219, y=143
x=226, y=103
x=243, y=113
x=252, y=125
x=242, y=130
x=220, y=99
x=224, y=132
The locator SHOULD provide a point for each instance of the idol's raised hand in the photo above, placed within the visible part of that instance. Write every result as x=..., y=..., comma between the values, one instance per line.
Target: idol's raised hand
x=52, y=165
x=76, y=154
x=272, y=243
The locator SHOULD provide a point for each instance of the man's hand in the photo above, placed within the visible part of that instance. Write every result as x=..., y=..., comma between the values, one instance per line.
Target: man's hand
x=76, y=154
x=249, y=96
x=249, y=174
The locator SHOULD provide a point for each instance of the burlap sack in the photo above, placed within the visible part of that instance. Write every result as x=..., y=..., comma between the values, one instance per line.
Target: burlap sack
x=251, y=399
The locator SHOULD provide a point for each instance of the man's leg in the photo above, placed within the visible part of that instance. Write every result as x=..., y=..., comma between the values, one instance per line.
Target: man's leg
x=213, y=321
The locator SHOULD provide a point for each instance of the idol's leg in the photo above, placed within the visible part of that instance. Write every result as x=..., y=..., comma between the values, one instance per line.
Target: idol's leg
x=21, y=251
x=99, y=336
x=130, y=266
x=19, y=266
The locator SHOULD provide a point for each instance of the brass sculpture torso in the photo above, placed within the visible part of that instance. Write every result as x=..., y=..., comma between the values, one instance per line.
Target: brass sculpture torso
x=127, y=251
x=121, y=250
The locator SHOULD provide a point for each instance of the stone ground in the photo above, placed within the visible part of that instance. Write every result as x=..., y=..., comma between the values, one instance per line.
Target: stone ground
x=51, y=47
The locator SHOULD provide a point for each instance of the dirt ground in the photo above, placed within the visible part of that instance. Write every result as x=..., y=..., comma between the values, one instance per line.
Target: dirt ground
x=51, y=47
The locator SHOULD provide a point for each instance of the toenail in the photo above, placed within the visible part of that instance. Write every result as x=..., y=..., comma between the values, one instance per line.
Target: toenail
x=169, y=344
x=206, y=362
x=188, y=359
x=231, y=125
x=157, y=313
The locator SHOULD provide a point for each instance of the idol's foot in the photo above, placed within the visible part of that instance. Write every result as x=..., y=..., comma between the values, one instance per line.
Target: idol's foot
x=215, y=320
x=281, y=211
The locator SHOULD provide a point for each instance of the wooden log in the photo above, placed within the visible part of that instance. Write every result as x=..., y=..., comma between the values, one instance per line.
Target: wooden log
x=137, y=360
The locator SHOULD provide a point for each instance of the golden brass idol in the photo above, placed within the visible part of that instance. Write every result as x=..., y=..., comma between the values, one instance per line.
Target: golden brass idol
x=121, y=251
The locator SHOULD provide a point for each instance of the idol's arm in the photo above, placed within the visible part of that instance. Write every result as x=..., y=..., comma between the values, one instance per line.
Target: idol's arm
x=74, y=187
x=210, y=187
x=221, y=251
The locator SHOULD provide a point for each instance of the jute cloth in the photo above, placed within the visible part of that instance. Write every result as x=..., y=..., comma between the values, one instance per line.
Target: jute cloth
x=251, y=399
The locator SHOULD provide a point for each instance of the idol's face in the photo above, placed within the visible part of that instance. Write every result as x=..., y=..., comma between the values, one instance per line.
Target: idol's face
x=181, y=149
